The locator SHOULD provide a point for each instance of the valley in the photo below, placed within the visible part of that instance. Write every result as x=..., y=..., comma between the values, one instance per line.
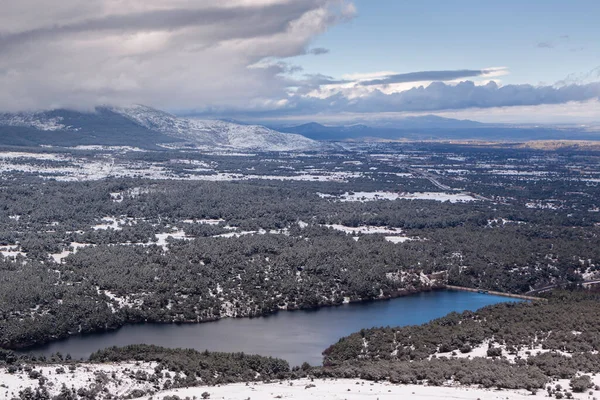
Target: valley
x=97, y=238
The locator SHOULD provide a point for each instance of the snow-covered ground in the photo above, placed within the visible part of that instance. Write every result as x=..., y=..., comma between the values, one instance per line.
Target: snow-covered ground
x=109, y=223
x=215, y=133
x=71, y=167
x=523, y=353
x=59, y=257
x=119, y=379
x=521, y=173
x=177, y=234
x=258, y=232
x=397, y=237
x=365, y=229
x=373, y=196
x=355, y=389
x=11, y=251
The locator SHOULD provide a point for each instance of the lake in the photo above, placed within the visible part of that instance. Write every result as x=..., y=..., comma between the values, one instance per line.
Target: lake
x=295, y=336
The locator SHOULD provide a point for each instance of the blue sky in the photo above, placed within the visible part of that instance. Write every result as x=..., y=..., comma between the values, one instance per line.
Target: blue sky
x=330, y=61
x=538, y=41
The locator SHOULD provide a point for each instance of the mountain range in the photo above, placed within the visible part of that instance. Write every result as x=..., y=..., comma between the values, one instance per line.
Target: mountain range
x=431, y=127
x=149, y=128
x=144, y=127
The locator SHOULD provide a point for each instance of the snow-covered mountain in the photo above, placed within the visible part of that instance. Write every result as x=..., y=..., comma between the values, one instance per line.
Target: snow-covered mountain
x=39, y=121
x=216, y=133
x=142, y=126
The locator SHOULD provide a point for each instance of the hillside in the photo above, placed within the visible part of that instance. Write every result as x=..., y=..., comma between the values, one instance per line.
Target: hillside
x=143, y=127
x=215, y=133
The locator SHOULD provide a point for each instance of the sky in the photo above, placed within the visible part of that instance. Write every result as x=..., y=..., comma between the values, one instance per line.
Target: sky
x=292, y=61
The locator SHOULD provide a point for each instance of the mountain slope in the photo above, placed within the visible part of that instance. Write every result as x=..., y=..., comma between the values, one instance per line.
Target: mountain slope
x=215, y=133
x=142, y=127
x=71, y=128
x=400, y=128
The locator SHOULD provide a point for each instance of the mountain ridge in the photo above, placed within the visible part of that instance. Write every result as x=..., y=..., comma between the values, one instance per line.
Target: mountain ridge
x=433, y=127
x=144, y=127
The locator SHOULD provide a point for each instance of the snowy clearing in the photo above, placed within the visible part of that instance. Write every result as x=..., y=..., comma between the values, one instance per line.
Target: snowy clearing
x=352, y=389
x=373, y=196
x=118, y=379
x=365, y=229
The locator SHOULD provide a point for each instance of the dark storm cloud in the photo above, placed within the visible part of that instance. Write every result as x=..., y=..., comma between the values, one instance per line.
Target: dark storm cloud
x=239, y=22
x=163, y=53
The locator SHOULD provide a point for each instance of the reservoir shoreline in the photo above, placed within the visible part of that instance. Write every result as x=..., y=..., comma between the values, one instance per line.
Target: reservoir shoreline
x=295, y=336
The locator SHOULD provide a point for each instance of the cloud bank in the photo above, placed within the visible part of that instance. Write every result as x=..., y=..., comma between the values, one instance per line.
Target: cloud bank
x=435, y=97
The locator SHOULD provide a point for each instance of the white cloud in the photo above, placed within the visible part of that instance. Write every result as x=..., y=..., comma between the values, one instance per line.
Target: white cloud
x=571, y=112
x=353, y=86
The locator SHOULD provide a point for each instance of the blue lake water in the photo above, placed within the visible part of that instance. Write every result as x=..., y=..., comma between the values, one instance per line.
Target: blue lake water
x=295, y=336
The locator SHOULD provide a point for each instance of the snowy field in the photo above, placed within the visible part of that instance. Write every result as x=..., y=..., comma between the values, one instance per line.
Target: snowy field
x=353, y=389
x=120, y=380
x=71, y=168
x=394, y=235
x=374, y=196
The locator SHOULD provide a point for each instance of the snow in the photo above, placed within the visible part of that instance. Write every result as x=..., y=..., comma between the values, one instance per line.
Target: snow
x=161, y=238
x=303, y=176
x=120, y=381
x=73, y=167
x=127, y=301
x=542, y=205
x=481, y=351
x=365, y=229
x=115, y=223
x=354, y=389
x=33, y=120
x=373, y=196
x=370, y=230
x=109, y=223
x=215, y=133
x=439, y=196
x=503, y=221
x=202, y=133
x=258, y=232
x=398, y=239
x=107, y=148
x=11, y=251
x=8, y=155
x=84, y=376
x=116, y=197
x=59, y=257
x=204, y=221
x=521, y=173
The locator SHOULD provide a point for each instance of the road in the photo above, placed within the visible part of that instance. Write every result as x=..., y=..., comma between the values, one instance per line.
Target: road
x=431, y=179
x=439, y=185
